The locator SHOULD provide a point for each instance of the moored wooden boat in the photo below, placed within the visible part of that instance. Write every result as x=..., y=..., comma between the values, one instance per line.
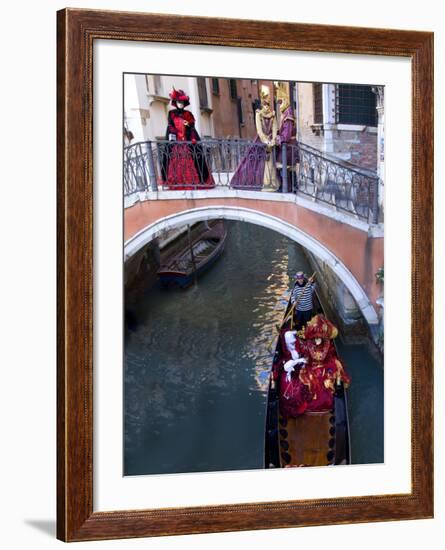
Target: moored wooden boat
x=194, y=254
x=317, y=438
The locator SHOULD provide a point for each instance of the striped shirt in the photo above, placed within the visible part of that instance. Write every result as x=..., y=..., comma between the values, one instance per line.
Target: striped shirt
x=303, y=295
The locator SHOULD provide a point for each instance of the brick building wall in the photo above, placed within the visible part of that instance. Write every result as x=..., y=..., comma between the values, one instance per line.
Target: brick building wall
x=225, y=108
x=355, y=143
x=224, y=111
x=358, y=146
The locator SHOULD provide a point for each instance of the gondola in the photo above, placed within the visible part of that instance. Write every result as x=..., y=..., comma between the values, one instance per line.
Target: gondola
x=313, y=438
x=196, y=251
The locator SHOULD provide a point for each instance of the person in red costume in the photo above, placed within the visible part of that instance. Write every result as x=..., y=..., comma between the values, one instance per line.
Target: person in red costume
x=310, y=368
x=184, y=165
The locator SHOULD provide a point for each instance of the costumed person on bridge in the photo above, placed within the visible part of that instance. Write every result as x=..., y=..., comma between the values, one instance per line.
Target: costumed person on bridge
x=287, y=133
x=311, y=369
x=184, y=165
x=257, y=169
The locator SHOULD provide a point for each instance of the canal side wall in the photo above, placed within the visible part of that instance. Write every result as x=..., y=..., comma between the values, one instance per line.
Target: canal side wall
x=140, y=272
x=341, y=307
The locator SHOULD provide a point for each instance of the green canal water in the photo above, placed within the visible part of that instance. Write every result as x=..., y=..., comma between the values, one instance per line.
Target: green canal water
x=197, y=363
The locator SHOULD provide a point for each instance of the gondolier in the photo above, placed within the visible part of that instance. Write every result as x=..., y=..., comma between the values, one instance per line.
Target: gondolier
x=302, y=296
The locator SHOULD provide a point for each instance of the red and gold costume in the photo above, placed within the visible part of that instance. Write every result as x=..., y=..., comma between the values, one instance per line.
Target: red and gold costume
x=184, y=164
x=311, y=386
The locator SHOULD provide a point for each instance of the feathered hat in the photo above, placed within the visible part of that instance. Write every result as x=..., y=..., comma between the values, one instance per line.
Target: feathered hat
x=318, y=327
x=179, y=95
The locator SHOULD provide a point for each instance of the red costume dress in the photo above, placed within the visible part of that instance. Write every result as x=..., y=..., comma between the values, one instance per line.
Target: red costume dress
x=184, y=165
x=311, y=387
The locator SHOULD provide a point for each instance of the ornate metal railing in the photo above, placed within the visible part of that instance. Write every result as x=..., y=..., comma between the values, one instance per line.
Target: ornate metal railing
x=347, y=187
x=140, y=173
x=250, y=165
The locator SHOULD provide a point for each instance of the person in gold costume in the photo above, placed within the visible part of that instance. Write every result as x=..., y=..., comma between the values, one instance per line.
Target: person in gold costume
x=257, y=170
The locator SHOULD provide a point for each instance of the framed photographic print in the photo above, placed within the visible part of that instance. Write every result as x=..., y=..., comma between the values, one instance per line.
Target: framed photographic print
x=244, y=275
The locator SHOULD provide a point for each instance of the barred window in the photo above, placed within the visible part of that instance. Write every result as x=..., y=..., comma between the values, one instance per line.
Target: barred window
x=318, y=103
x=215, y=86
x=355, y=104
x=202, y=92
x=232, y=88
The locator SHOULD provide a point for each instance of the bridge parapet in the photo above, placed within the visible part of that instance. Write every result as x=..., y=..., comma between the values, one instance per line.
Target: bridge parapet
x=253, y=167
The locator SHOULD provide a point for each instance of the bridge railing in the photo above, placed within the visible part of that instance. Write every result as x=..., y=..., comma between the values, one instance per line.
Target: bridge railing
x=347, y=187
x=249, y=165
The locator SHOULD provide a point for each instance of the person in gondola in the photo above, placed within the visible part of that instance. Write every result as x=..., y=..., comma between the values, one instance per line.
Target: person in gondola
x=257, y=169
x=311, y=370
x=302, y=299
x=287, y=134
x=184, y=165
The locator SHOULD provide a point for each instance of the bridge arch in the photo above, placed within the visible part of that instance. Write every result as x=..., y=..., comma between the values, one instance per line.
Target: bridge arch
x=153, y=230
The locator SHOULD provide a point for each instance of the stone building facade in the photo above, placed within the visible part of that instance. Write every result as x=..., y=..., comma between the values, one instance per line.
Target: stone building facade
x=147, y=102
x=222, y=107
x=338, y=119
x=346, y=121
x=341, y=120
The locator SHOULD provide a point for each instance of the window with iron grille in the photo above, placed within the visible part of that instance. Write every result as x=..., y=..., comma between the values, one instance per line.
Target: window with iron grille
x=215, y=86
x=318, y=103
x=239, y=105
x=232, y=88
x=355, y=104
x=202, y=93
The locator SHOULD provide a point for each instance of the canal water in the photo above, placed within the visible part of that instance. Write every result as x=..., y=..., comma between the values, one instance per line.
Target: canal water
x=197, y=363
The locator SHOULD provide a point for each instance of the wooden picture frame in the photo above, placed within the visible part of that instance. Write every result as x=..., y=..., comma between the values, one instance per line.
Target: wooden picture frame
x=77, y=31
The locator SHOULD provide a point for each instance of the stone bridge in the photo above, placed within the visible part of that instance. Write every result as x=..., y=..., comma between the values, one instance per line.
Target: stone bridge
x=350, y=246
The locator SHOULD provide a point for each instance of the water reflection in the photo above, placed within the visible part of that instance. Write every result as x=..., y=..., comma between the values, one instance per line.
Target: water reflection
x=197, y=363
